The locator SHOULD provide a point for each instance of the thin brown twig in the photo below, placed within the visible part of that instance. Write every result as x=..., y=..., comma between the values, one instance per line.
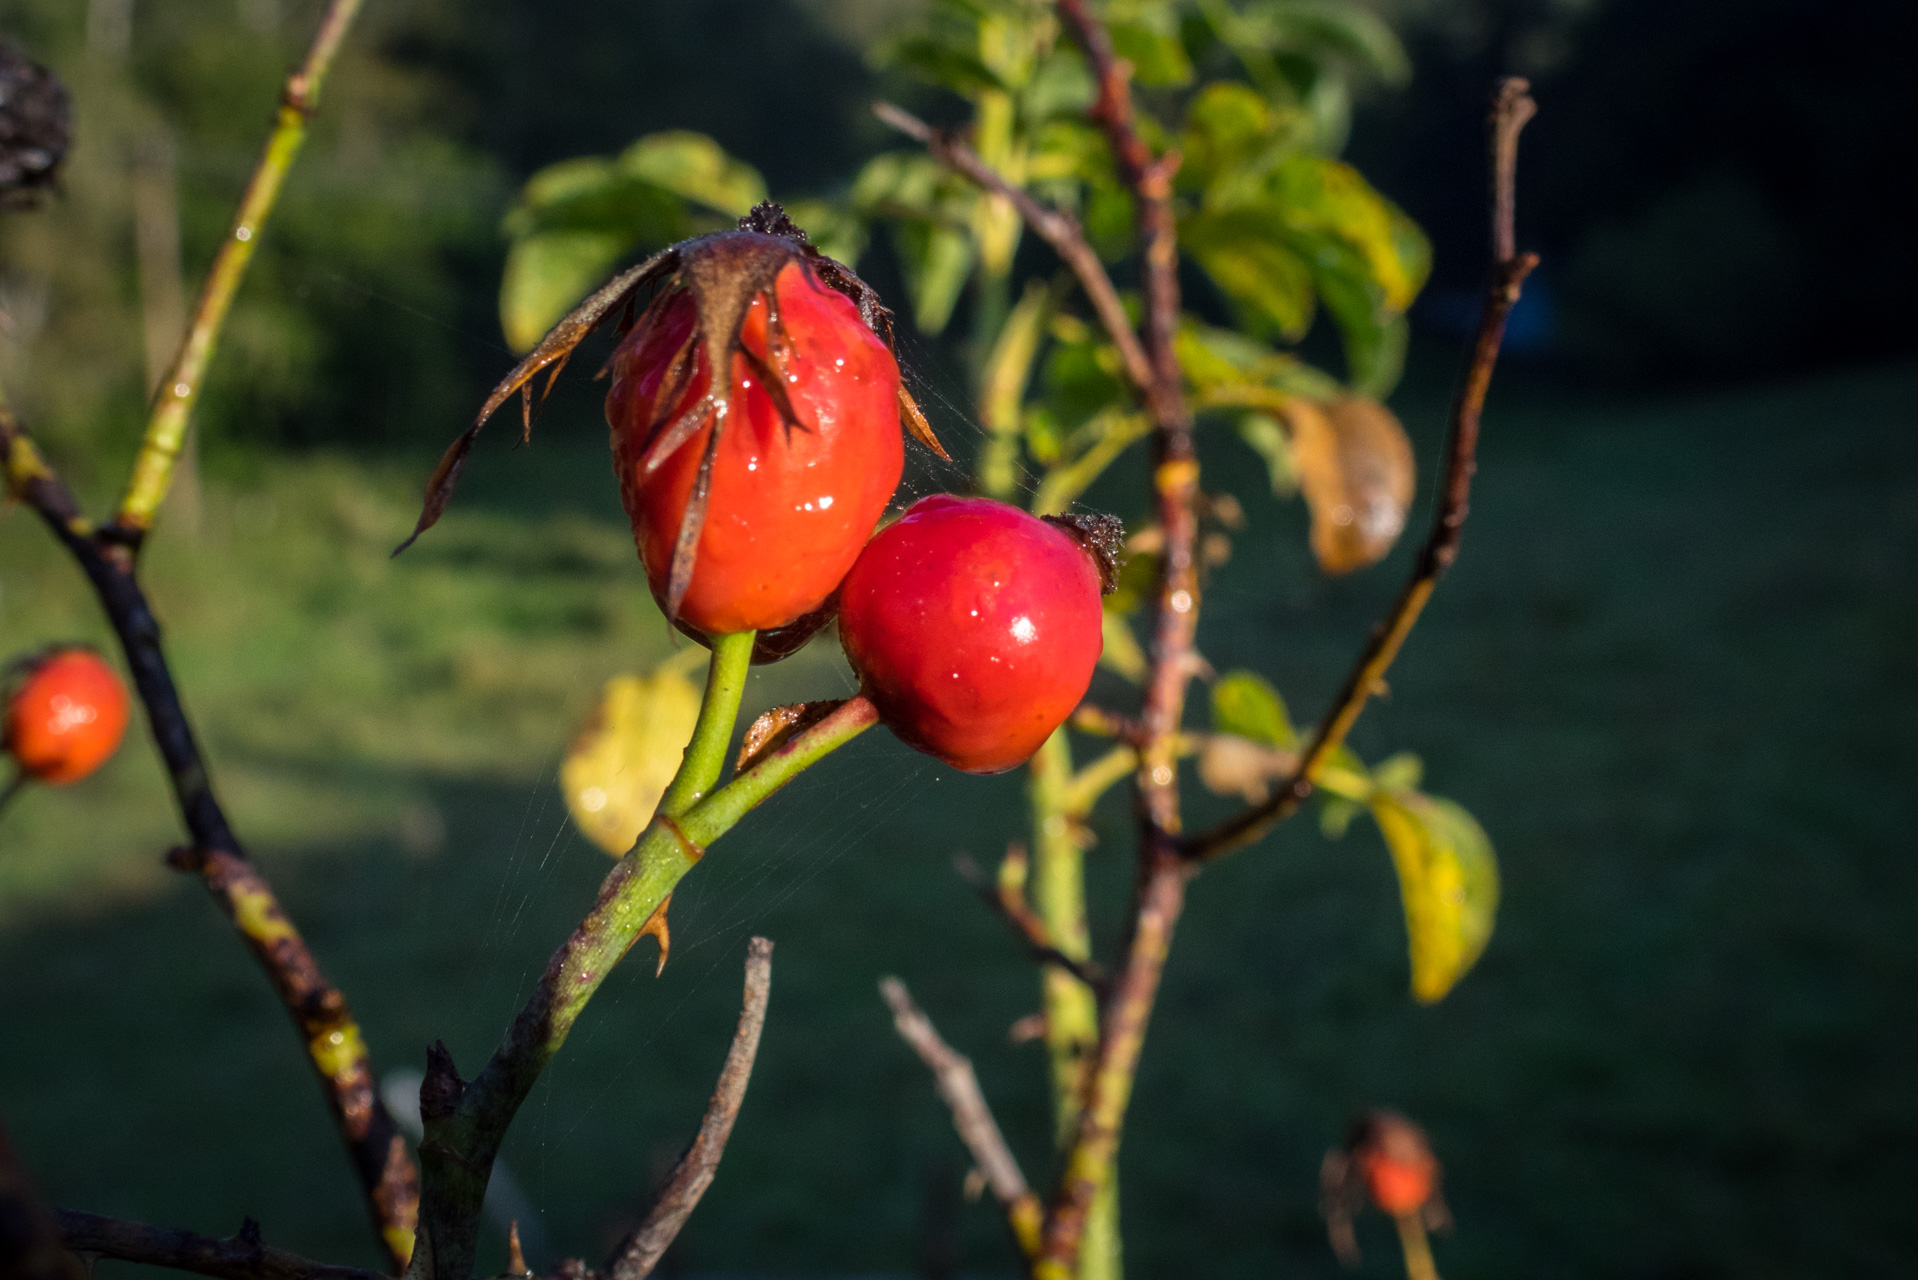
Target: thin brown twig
x=335, y=1047
x=640, y=1252
x=958, y=1085
x=1160, y=894
x=241, y=1256
x=1059, y=230
x=1511, y=108
x=1011, y=906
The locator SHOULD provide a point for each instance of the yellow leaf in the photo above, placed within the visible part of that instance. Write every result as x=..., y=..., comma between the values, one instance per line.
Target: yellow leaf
x=1448, y=881
x=1355, y=466
x=626, y=753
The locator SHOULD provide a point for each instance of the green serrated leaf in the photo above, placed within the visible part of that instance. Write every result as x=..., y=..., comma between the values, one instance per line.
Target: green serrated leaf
x=1448, y=882
x=1245, y=703
x=694, y=167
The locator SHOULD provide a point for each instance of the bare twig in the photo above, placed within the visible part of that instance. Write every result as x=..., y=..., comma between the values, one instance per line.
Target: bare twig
x=335, y=1048
x=1162, y=874
x=640, y=1252
x=1057, y=229
x=242, y=1256
x=173, y=401
x=1511, y=108
x=1010, y=905
x=953, y=1076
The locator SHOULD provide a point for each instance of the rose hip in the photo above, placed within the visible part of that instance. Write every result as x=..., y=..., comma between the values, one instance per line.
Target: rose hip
x=785, y=473
x=975, y=627
x=66, y=718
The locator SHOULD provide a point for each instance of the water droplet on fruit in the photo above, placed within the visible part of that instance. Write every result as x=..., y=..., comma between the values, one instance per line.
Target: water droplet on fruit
x=1023, y=631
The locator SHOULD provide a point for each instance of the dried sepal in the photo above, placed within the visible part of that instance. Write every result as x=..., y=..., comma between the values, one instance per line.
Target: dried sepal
x=1356, y=469
x=1103, y=537
x=773, y=729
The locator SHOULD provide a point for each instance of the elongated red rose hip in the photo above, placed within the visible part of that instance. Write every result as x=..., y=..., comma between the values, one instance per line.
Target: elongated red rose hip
x=66, y=718
x=975, y=627
x=788, y=471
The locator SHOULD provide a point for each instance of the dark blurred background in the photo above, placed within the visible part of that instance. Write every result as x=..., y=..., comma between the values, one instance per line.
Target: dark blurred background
x=1671, y=676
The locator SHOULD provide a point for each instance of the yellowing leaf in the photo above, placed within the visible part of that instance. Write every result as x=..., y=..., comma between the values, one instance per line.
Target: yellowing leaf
x=694, y=167
x=1448, y=881
x=1355, y=466
x=626, y=753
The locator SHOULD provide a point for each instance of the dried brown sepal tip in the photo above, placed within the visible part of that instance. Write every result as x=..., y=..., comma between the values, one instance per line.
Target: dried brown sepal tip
x=1103, y=537
x=775, y=728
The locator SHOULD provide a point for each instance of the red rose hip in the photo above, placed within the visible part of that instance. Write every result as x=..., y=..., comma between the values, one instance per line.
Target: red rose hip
x=975, y=627
x=786, y=468
x=66, y=717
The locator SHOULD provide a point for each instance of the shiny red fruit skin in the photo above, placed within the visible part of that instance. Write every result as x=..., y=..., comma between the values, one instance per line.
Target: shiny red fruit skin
x=66, y=718
x=791, y=503
x=974, y=628
x=1398, y=1186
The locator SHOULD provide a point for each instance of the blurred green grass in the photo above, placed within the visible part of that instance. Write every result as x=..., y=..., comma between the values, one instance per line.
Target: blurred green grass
x=1671, y=675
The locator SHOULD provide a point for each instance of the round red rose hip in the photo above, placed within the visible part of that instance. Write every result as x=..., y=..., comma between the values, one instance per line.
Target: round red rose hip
x=809, y=448
x=66, y=717
x=975, y=627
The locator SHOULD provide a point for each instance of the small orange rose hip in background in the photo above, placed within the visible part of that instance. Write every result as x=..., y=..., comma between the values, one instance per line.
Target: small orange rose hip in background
x=66, y=715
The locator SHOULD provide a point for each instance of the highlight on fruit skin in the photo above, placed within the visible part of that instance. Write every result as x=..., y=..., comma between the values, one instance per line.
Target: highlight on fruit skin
x=734, y=302
x=66, y=714
x=975, y=627
x=1386, y=1161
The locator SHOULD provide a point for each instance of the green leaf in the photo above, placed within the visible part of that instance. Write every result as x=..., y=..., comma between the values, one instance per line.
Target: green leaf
x=945, y=63
x=1245, y=703
x=547, y=273
x=1122, y=654
x=937, y=260
x=833, y=228
x=1156, y=54
x=1401, y=772
x=1448, y=882
x=1336, y=814
x=1267, y=438
x=1329, y=28
x=1268, y=283
x=694, y=167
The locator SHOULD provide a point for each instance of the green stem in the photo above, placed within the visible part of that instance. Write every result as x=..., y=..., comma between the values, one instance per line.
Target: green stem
x=166, y=428
x=712, y=737
x=1071, y=1007
x=465, y=1123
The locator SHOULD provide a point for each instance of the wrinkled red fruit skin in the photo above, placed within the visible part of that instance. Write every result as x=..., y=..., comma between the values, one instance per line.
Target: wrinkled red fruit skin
x=66, y=718
x=791, y=504
x=974, y=628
